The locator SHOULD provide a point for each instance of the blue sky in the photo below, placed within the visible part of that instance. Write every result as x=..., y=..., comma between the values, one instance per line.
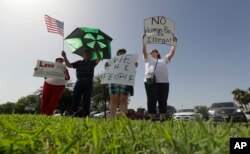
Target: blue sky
x=212, y=57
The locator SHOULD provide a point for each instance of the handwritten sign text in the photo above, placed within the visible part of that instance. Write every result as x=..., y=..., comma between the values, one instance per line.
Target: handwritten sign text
x=121, y=70
x=159, y=30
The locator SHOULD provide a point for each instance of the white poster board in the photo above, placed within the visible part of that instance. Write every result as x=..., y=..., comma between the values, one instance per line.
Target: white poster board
x=159, y=30
x=121, y=70
x=49, y=69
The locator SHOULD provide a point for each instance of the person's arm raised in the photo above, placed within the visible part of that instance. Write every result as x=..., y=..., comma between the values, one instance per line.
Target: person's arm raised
x=68, y=64
x=172, y=50
x=144, y=48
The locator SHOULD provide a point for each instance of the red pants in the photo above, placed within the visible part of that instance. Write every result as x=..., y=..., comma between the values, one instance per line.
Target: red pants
x=51, y=95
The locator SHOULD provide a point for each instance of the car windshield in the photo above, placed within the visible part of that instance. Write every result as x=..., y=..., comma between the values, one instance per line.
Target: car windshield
x=218, y=105
x=186, y=110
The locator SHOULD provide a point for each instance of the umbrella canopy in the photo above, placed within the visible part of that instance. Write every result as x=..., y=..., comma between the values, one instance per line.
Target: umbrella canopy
x=93, y=39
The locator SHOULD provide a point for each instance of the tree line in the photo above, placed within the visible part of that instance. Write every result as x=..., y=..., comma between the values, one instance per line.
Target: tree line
x=100, y=100
x=31, y=103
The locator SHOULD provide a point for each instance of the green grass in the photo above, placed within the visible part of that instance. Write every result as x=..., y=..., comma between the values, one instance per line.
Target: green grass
x=44, y=134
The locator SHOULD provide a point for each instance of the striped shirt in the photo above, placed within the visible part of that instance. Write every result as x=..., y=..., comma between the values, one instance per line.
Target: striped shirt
x=84, y=69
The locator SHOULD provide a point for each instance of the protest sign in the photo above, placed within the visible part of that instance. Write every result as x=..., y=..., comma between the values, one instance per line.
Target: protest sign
x=49, y=69
x=159, y=30
x=121, y=70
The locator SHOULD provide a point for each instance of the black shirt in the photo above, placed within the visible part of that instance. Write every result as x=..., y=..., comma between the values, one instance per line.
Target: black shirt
x=84, y=69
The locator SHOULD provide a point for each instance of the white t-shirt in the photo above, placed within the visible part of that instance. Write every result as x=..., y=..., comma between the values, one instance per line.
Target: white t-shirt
x=161, y=70
x=56, y=82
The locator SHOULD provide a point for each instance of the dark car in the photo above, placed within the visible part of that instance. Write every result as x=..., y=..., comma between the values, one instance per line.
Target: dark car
x=134, y=115
x=226, y=111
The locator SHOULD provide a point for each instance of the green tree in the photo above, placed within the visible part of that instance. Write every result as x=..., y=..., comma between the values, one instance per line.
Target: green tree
x=65, y=101
x=100, y=95
x=201, y=109
x=242, y=97
x=25, y=103
x=7, y=108
x=141, y=110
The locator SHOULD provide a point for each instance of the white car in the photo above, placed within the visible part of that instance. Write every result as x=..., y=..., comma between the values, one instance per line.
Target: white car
x=187, y=114
x=92, y=113
x=57, y=113
x=101, y=115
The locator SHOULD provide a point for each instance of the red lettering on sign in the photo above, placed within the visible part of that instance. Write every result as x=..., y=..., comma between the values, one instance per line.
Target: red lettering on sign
x=46, y=65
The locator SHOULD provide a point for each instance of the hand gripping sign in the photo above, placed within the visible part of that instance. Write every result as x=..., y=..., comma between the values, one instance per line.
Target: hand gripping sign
x=159, y=30
x=49, y=69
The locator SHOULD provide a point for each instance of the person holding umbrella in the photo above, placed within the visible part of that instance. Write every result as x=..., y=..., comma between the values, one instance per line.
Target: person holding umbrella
x=84, y=84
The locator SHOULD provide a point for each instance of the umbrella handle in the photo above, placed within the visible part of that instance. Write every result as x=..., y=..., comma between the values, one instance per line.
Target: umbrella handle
x=98, y=55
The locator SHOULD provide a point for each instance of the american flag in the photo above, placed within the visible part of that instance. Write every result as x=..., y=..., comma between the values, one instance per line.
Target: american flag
x=54, y=26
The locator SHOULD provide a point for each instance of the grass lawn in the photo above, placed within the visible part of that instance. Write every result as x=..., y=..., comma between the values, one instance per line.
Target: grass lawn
x=47, y=134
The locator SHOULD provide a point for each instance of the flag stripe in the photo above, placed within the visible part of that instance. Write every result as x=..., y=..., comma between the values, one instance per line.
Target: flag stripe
x=54, y=26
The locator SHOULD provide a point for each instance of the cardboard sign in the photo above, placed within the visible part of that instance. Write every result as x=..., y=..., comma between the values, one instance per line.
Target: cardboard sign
x=159, y=30
x=121, y=70
x=49, y=70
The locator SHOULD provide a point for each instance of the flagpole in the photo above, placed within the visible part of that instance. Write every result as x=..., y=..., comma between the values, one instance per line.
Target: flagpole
x=63, y=43
x=63, y=36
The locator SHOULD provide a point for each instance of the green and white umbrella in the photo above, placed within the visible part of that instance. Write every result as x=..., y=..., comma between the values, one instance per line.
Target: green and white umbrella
x=93, y=39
